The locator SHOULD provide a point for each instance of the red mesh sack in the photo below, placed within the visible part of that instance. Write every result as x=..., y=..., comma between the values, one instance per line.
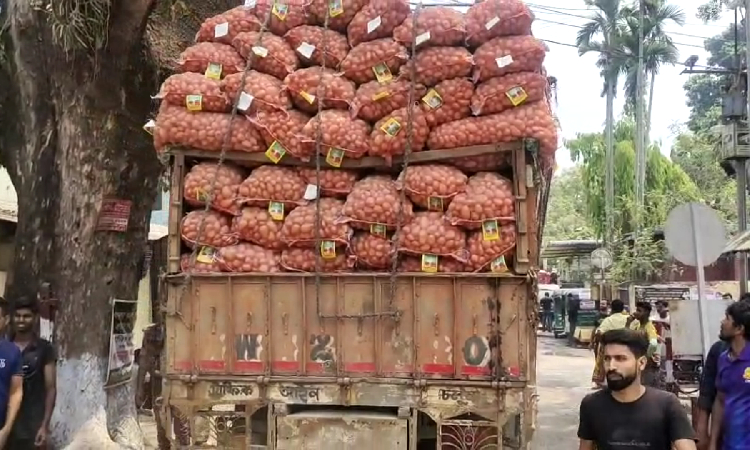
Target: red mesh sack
x=176, y=126
x=448, y=101
x=217, y=230
x=376, y=202
x=445, y=264
x=299, y=226
x=429, y=234
x=488, y=198
x=437, y=26
x=262, y=92
x=223, y=60
x=375, y=60
x=248, y=258
x=372, y=251
x=482, y=163
x=341, y=136
x=390, y=135
x=333, y=182
x=493, y=18
x=337, y=91
x=281, y=134
x=303, y=260
x=267, y=53
x=498, y=94
x=226, y=26
x=375, y=100
x=195, y=92
x=205, y=264
x=284, y=15
x=308, y=41
x=281, y=186
x=504, y=55
x=432, y=186
x=225, y=181
x=491, y=253
x=435, y=64
x=377, y=20
x=255, y=224
x=340, y=12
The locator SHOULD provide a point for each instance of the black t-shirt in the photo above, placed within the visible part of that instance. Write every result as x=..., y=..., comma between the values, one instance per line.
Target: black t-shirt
x=36, y=355
x=546, y=303
x=652, y=422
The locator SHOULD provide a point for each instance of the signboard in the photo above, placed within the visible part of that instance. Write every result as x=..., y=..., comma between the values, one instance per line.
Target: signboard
x=114, y=215
x=601, y=258
x=653, y=294
x=121, y=348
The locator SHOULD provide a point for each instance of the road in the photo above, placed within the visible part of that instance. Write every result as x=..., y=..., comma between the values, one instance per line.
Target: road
x=563, y=378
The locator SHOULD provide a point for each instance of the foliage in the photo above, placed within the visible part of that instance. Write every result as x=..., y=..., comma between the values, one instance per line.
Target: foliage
x=566, y=215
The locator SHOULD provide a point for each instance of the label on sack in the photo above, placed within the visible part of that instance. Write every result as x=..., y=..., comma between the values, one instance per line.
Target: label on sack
x=422, y=38
x=516, y=95
x=381, y=95
x=335, y=157
x=391, y=127
x=194, y=102
x=504, y=61
x=221, y=30
x=498, y=265
x=382, y=73
x=335, y=8
x=280, y=10
x=206, y=255
x=378, y=229
x=490, y=230
x=276, y=211
x=275, y=152
x=328, y=250
x=306, y=50
x=374, y=24
x=433, y=99
x=308, y=97
x=430, y=263
x=213, y=71
x=491, y=23
x=250, y=3
x=435, y=204
x=149, y=126
x=260, y=51
x=311, y=192
x=245, y=101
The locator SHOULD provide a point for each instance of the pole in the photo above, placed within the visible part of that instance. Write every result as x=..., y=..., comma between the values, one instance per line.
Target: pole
x=610, y=167
x=741, y=167
x=705, y=337
x=640, y=157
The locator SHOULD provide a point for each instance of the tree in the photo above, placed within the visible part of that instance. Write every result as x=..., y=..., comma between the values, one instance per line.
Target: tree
x=566, y=218
x=76, y=79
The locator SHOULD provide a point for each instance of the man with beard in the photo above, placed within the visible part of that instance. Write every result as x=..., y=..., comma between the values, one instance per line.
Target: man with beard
x=628, y=415
x=730, y=417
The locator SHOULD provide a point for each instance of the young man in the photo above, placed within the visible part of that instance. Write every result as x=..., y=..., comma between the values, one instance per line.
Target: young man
x=39, y=380
x=641, y=321
x=730, y=417
x=614, y=321
x=548, y=317
x=11, y=380
x=628, y=414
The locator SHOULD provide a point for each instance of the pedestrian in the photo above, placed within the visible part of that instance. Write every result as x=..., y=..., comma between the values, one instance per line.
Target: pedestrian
x=730, y=419
x=628, y=414
x=641, y=321
x=708, y=392
x=31, y=430
x=548, y=317
x=573, y=305
x=11, y=380
x=615, y=321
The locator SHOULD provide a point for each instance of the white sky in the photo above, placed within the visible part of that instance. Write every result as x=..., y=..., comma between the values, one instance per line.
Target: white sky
x=580, y=107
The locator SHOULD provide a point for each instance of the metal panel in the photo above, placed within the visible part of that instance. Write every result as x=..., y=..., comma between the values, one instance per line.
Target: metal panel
x=341, y=430
x=684, y=321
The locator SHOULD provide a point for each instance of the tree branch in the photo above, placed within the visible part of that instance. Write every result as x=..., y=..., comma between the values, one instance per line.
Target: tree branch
x=127, y=26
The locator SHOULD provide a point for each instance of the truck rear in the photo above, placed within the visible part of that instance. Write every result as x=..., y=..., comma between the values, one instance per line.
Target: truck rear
x=275, y=341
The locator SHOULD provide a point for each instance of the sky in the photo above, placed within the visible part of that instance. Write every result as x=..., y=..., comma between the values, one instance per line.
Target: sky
x=580, y=108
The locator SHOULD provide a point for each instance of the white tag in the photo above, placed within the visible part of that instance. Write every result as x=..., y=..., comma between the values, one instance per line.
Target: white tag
x=245, y=101
x=374, y=24
x=422, y=38
x=260, y=51
x=491, y=23
x=250, y=3
x=504, y=61
x=306, y=50
x=150, y=125
x=221, y=30
x=311, y=192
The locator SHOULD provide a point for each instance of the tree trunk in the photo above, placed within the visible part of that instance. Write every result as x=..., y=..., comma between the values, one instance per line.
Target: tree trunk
x=71, y=138
x=650, y=107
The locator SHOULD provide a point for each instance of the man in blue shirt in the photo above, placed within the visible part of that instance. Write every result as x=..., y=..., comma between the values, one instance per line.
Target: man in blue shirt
x=11, y=378
x=730, y=418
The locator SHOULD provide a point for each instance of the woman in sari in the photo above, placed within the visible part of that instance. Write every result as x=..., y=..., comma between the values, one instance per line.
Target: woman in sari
x=618, y=319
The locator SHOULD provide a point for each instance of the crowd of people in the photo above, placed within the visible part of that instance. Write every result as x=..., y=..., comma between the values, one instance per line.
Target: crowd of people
x=630, y=410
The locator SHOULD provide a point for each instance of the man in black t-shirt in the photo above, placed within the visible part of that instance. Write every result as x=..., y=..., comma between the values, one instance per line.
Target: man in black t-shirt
x=31, y=428
x=548, y=317
x=628, y=415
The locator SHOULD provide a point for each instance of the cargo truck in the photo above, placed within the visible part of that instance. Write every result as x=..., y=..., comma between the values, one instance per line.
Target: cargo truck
x=401, y=361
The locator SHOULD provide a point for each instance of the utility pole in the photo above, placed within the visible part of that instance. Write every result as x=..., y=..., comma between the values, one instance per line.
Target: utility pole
x=742, y=162
x=609, y=188
x=640, y=150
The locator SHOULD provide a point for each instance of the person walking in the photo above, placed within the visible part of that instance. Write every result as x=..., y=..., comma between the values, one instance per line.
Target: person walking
x=730, y=416
x=11, y=379
x=628, y=414
x=641, y=321
x=572, y=306
x=548, y=316
x=615, y=321
x=31, y=430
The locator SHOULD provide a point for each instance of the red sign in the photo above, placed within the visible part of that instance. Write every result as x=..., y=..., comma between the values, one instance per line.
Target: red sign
x=114, y=215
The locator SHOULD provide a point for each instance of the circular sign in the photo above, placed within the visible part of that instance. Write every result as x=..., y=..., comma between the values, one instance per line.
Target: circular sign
x=691, y=220
x=601, y=258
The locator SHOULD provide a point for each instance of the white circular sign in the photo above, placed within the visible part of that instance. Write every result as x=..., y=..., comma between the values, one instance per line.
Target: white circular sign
x=684, y=223
x=601, y=258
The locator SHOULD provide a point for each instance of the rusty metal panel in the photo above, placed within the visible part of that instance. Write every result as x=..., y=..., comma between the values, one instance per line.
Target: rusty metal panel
x=358, y=335
x=397, y=350
x=286, y=325
x=434, y=303
x=179, y=331
x=212, y=339
x=476, y=328
x=513, y=330
x=341, y=430
x=321, y=346
x=249, y=335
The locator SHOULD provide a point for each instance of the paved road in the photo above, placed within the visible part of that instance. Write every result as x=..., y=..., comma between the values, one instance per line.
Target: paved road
x=563, y=378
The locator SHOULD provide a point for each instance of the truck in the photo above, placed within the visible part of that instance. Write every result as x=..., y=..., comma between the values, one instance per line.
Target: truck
x=403, y=361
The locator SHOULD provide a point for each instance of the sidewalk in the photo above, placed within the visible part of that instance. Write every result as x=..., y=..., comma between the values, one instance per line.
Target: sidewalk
x=148, y=425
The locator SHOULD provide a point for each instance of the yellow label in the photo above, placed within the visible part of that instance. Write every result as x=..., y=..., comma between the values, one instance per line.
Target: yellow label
x=275, y=152
x=335, y=157
x=213, y=71
x=206, y=255
x=276, y=211
x=429, y=263
x=328, y=250
x=201, y=195
x=490, y=230
x=432, y=99
x=381, y=95
x=516, y=95
x=194, y=102
x=335, y=8
x=378, y=229
x=308, y=97
x=280, y=10
x=435, y=204
x=391, y=127
x=382, y=73
x=498, y=265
